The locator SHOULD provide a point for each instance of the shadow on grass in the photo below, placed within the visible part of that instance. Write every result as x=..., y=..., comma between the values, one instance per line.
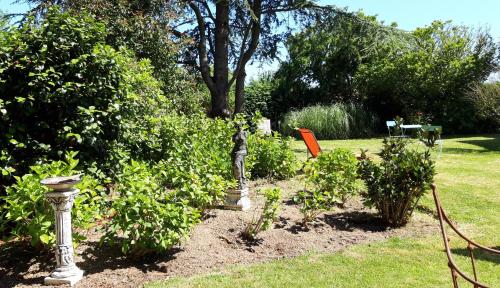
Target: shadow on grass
x=490, y=144
x=349, y=221
x=479, y=254
x=18, y=260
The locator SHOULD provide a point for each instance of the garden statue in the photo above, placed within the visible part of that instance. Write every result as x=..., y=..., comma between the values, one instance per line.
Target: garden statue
x=238, y=156
x=237, y=199
x=61, y=199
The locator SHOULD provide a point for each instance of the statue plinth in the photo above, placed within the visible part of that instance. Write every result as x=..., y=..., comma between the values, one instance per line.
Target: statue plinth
x=237, y=199
x=62, y=199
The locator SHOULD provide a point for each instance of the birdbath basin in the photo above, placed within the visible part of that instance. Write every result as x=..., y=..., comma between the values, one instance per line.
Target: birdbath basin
x=61, y=183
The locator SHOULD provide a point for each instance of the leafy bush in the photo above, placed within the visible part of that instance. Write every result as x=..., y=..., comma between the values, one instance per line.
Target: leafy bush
x=312, y=203
x=258, y=96
x=62, y=88
x=271, y=156
x=190, y=153
x=28, y=214
x=146, y=218
x=269, y=213
x=338, y=121
x=395, y=185
x=333, y=172
x=485, y=98
x=430, y=72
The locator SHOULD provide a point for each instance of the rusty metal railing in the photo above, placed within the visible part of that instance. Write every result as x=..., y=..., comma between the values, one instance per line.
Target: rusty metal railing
x=471, y=245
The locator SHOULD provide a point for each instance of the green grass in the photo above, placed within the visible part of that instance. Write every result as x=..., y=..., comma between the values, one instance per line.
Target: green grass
x=468, y=180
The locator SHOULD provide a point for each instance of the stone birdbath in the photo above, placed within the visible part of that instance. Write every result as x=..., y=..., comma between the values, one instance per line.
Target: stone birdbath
x=61, y=198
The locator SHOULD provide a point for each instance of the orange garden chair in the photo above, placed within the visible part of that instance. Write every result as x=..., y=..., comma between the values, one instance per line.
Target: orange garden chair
x=312, y=144
x=471, y=245
x=310, y=141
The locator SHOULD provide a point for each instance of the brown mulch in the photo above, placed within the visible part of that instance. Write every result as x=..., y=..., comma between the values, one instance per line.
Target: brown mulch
x=214, y=244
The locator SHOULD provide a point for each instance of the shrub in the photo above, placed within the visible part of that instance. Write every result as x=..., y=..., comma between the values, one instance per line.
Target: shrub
x=258, y=96
x=338, y=121
x=485, y=98
x=28, y=214
x=396, y=184
x=146, y=218
x=333, y=172
x=271, y=156
x=62, y=88
x=191, y=153
x=269, y=213
x=430, y=72
x=312, y=203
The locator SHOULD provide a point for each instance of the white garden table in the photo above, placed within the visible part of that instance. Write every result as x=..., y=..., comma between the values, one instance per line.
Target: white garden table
x=409, y=126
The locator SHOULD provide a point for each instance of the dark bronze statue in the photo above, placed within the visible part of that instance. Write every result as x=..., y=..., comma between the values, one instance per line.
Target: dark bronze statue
x=238, y=156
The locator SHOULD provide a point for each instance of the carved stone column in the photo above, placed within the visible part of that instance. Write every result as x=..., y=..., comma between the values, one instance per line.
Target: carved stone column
x=62, y=199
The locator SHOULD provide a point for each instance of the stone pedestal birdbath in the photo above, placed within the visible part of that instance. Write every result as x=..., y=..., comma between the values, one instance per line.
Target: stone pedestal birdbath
x=61, y=199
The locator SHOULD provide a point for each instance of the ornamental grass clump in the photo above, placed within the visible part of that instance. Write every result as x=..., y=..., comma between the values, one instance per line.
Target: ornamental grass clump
x=396, y=184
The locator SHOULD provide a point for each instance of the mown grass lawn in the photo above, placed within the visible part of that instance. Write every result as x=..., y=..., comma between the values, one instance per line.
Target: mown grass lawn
x=468, y=180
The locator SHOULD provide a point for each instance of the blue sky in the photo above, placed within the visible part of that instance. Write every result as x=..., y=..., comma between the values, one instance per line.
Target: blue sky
x=409, y=14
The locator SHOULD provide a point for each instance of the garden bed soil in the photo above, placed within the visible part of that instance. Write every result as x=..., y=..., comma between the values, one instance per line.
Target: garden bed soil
x=214, y=244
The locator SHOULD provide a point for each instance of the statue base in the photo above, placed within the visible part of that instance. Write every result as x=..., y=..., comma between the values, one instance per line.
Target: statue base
x=237, y=199
x=72, y=277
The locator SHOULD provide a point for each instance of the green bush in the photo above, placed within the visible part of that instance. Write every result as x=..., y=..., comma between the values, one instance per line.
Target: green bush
x=485, y=98
x=271, y=156
x=312, y=203
x=396, y=184
x=28, y=215
x=333, y=172
x=430, y=72
x=268, y=216
x=191, y=153
x=146, y=217
x=62, y=88
x=338, y=121
x=258, y=96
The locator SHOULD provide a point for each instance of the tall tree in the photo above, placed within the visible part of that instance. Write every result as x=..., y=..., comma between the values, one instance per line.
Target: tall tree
x=236, y=33
x=224, y=35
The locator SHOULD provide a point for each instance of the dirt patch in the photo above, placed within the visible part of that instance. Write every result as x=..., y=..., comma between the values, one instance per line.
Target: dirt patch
x=215, y=243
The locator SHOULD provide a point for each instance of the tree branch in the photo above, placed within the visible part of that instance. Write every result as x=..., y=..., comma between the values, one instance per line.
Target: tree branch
x=202, y=49
x=254, y=41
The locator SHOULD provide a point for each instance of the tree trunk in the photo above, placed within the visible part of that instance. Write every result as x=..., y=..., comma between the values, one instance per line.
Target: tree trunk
x=221, y=68
x=239, y=92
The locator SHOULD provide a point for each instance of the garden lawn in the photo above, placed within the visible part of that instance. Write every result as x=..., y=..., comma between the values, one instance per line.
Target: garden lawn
x=468, y=179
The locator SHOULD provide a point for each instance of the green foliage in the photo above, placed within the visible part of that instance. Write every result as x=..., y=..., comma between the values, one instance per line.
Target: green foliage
x=395, y=185
x=62, y=89
x=485, y=98
x=258, y=96
x=271, y=156
x=333, y=172
x=338, y=121
x=28, y=214
x=431, y=73
x=193, y=153
x=324, y=59
x=146, y=218
x=268, y=216
x=312, y=203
